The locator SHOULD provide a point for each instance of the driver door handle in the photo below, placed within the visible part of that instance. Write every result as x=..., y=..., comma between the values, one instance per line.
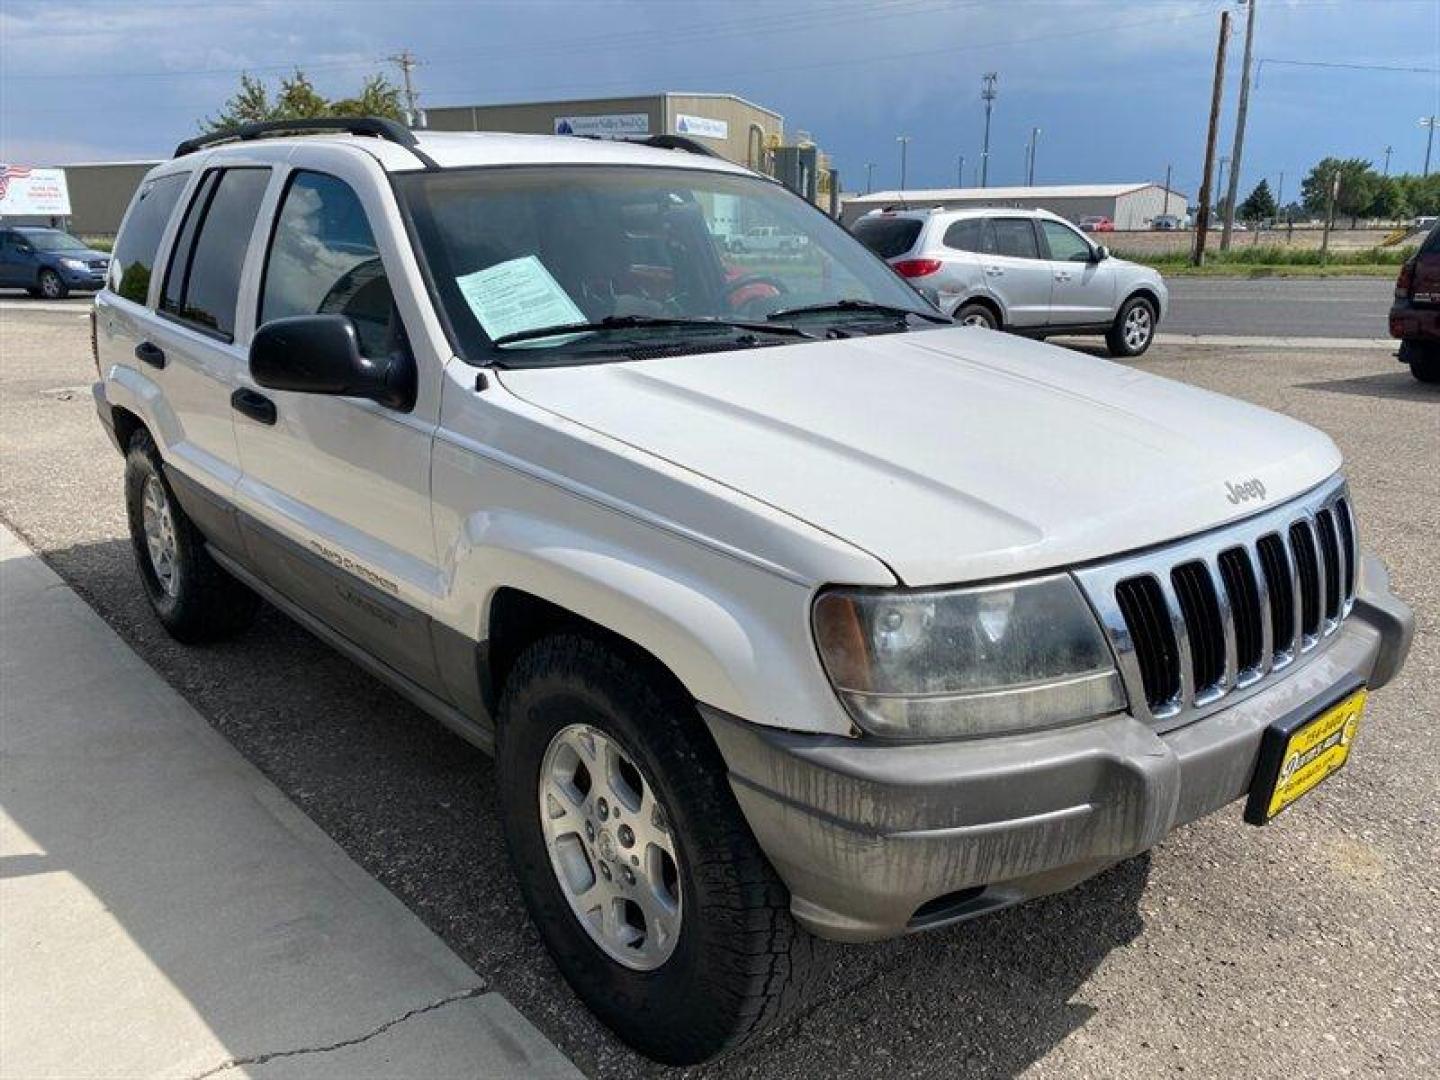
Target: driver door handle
x=254, y=405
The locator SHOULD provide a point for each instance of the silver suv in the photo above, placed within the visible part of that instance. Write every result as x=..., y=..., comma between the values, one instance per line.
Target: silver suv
x=1029, y=271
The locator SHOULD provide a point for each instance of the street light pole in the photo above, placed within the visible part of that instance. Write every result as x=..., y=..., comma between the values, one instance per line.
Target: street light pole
x=1428, y=122
x=904, y=141
x=869, y=177
x=1388, y=151
x=960, y=173
x=987, y=95
x=1034, y=135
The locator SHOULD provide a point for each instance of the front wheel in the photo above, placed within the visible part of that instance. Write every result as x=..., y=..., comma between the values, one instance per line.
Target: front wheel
x=1427, y=371
x=634, y=859
x=1133, y=329
x=52, y=286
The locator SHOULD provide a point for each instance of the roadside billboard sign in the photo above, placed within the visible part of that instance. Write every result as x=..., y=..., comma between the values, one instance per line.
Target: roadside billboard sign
x=28, y=191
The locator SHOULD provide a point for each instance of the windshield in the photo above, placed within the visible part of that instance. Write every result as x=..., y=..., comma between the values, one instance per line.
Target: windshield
x=660, y=256
x=52, y=240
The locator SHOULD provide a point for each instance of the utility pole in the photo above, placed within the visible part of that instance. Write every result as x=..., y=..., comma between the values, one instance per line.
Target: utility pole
x=1239, y=146
x=1030, y=179
x=1388, y=151
x=1329, y=216
x=869, y=177
x=987, y=95
x=904, y=141
x=1220, y=178
x=1166, y=212
x=1202, y=226
x=960, y=172
x=1428, y=122
x=406, y=59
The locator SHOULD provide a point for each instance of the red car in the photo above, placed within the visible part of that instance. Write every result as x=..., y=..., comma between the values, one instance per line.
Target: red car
x=1415, y=315
x=1097, y=223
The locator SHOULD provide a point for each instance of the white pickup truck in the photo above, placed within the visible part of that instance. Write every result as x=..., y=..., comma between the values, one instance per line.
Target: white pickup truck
x=789, y=608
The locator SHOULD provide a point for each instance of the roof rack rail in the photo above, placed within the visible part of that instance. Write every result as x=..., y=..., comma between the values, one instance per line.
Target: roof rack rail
x=678, y=142
x=375, y=126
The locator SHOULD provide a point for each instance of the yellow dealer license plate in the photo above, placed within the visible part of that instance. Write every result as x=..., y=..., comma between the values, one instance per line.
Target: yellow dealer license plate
x=1297, y=755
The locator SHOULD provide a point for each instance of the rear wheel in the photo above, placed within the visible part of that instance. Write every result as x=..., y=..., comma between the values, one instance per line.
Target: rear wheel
x=1427, y=371
x=1133, y=329
x=635, y=862
x=192, y=596
x=977, y=315
x=52, y=286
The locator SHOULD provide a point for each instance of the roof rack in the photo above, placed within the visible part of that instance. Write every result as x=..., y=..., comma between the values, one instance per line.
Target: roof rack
x=374, y=126
x=678, y=142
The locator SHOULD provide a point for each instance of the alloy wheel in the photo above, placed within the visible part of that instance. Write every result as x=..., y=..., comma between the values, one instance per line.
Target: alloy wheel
x=1137, y=328
x=160, y=534
x=611, y=848
x=50, y=285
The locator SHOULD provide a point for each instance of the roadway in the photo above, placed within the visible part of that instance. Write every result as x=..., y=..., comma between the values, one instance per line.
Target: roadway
x=1280, y=307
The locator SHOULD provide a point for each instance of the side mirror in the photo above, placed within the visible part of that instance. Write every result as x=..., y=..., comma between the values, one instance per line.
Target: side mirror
x=1100, y=254
x=320, y=354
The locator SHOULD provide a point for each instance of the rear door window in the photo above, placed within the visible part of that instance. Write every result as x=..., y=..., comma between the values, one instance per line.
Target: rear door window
x=887, y=237
x=202, y=283
x=1432, y=242
x=1015, y=238
x=139, y=239
x=323, y=260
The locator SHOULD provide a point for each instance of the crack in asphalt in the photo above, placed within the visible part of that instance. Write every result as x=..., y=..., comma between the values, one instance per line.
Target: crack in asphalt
x=261, y=1059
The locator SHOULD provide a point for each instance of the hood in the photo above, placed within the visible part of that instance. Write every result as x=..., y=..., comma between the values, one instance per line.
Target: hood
x=951, y=455
x=86, y=255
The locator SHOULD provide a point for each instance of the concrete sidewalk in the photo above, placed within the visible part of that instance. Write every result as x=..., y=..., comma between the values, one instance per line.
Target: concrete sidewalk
x=166, y=912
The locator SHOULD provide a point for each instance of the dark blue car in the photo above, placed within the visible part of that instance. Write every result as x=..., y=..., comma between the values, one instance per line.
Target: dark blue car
x=49, y=263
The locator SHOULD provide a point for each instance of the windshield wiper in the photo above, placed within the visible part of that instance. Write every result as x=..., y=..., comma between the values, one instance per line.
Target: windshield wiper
x=867, y=306
x=634, y=322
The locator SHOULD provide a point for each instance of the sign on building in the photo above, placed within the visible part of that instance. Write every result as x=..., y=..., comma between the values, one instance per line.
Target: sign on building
x=702, y=126
x=28, y=191
x=605, y=125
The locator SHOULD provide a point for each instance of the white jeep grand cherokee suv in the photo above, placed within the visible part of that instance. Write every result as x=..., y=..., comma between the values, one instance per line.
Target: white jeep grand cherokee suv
x=1027, y=271
x=787, y=608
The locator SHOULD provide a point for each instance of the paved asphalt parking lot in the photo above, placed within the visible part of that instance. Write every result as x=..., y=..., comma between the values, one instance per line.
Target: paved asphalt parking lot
x=1308, y=948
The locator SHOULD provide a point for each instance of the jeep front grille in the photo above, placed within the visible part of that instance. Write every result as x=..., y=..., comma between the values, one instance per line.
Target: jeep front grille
x=1194, y=623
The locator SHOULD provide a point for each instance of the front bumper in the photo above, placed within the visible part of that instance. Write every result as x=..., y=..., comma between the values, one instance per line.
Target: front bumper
x=880, y=839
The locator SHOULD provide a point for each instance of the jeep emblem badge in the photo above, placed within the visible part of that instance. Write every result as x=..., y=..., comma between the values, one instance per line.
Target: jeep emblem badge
x=1244, y=491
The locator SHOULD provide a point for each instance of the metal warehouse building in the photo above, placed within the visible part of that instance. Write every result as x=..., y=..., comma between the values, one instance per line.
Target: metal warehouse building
x=734, y=128
x=1129, y=206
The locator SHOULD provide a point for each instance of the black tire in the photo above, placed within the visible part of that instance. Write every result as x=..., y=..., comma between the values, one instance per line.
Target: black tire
x=740, y=962
x=1122, y=339
x=204, y=603
x=1427, y=371
x=51, y=285
x=974, y=314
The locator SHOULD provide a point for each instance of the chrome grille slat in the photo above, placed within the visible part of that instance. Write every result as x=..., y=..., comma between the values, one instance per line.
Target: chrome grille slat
x=1241, y=605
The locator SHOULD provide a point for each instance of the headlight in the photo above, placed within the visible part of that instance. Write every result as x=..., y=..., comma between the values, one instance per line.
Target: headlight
x=74, y=264
x=949, y=663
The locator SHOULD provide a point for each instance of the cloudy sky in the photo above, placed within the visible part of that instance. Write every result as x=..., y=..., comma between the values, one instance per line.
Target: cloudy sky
x=1119, y=88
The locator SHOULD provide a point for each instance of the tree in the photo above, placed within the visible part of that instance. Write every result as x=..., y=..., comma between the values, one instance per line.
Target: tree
x=1387, y=202
x=1259, y=205
x=1357, y=186
x=297, y=99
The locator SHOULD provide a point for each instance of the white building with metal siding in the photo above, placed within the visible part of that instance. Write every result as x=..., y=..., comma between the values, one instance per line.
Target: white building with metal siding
x=1130, y=206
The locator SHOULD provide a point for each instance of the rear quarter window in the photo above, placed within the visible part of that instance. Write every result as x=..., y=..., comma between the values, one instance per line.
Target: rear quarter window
x=134, y=256
x=887, y=237
x=969, y=234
